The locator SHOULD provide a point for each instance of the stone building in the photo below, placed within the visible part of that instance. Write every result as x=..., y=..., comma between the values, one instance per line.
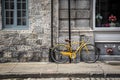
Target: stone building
x=30, y=27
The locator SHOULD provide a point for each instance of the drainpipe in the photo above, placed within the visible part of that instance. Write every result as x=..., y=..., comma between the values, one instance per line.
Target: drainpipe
x=69, y=21
x=51, y=23
x=50, y=59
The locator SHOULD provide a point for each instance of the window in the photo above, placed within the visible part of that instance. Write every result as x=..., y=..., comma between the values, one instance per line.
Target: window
x=14, y=14
x=107, y=13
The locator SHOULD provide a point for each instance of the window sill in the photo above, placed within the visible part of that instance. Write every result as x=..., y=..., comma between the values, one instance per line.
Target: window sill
x=13, y=28
x=107, y=29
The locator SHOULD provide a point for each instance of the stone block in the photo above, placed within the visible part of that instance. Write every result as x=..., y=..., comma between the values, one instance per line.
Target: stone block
x=83, y=4
x=31, y=42
x=1, y=42
x=79, y=4
x=29, y=54
x=82, y=23
x=1, y=54
x=39, y=42
x=74, y=24
x=64, y=4
x=75, y=14
x=23, y=48
x=32, y=36
x=64, y=14
x=45, y=55
x=14, y=54
x=64, y=24
x=39, y=30
x=7, y=54
x=83, y=14
x=39, y=5
x=21, y=56
x=37, y=56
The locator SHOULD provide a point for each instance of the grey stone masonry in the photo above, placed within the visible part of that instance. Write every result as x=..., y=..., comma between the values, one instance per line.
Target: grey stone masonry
x=0, y=17
x=80, y=19
x=32, y=44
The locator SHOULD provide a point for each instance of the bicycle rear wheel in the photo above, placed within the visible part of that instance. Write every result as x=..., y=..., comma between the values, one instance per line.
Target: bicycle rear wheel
x=91, y=53
x=57, y=56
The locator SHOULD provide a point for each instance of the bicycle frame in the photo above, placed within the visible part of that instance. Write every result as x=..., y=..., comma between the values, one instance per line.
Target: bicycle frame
x=72, y=49
x=82, y=44
x=70, y=52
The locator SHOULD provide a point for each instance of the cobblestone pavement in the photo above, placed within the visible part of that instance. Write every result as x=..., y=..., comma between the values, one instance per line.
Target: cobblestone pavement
x=64, y=79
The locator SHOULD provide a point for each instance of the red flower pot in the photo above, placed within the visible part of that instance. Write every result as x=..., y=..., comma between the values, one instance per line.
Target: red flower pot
x=109, y=51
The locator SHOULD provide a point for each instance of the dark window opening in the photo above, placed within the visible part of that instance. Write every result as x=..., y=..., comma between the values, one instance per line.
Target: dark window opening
x=107, y=13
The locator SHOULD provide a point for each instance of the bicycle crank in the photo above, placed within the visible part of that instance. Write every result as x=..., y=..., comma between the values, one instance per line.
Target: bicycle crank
x=73, y=56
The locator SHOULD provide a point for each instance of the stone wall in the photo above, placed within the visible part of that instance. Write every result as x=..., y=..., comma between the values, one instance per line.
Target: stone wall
x=81, y=20
x=32, y=44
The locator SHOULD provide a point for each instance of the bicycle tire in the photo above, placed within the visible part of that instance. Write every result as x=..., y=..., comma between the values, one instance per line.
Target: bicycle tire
x=57, y=56
x=92, y=55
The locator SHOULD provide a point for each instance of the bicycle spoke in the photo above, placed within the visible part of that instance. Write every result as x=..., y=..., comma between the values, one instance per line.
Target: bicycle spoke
x=58, y=57
x=91, y=55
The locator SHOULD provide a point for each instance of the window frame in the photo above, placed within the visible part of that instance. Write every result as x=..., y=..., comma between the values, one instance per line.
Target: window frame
x=101, y=28
x=14, y=26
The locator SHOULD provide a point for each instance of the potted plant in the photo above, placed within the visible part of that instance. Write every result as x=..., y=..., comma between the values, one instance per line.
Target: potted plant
x=99, y=19
x=112, y=20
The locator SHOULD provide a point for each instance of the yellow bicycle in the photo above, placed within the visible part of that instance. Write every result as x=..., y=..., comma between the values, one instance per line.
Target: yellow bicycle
x=62, y=52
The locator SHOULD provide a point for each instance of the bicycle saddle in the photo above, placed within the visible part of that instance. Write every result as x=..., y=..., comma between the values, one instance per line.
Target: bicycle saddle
x=82, y=35
x=67, y=40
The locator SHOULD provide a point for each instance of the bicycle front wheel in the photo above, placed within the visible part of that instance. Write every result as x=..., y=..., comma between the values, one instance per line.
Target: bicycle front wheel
x=56, y=54
x=91, y=53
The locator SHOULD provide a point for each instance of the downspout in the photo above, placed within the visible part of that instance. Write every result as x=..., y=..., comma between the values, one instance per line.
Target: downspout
x=51, y=23
x=69, y=23
x=50, y=59
x=69, y=20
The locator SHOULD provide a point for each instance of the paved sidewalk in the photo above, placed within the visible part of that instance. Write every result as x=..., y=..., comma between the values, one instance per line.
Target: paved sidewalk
x=48, y=70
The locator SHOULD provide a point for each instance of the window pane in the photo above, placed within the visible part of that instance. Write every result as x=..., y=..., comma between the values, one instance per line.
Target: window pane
x=23, y=21
x=11, y=14
x=11, y=21
x=19, y=0
x=19, y=6
x=12, y=5
x=7, y=0
x=7, y=21
x=18, y=21
x=19, y=14
x=7, y=5
x=24, y=0
x=7, y=14
x=24, y=6
x=24, y=14
x=11, y=0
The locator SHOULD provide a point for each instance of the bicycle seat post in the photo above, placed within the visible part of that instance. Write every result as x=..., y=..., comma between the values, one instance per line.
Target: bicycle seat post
x=69, y=43
x=82, y=37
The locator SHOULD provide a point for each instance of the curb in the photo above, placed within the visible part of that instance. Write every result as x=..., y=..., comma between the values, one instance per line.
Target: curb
x=57, y=75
